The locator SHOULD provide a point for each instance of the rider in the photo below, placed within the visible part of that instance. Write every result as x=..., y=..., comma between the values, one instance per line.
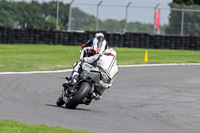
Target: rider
x=106, y=64
x=98, y=45
x=94, y=42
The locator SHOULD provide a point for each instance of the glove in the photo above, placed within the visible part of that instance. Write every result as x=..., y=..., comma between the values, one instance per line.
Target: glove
x=83, y=46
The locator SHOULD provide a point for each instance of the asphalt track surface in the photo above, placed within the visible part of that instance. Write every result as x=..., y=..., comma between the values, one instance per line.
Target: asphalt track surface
x=153, y=99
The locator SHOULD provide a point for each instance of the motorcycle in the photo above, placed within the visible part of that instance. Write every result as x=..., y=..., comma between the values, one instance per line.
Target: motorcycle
x=83, y=92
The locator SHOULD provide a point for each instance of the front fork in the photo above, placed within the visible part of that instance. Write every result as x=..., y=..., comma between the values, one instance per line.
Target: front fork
x=65, y=98
x=67, y=93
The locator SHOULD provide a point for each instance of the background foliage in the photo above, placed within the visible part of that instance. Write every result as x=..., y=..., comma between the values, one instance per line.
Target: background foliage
x=191, y=19
x=35, y=14
x=43, y=15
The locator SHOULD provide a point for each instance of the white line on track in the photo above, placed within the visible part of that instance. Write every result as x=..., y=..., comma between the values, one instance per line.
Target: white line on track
x=174, y=64
x=69, y=70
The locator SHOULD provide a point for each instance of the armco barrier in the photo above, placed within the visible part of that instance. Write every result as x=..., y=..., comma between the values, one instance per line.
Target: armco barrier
x=133, y=40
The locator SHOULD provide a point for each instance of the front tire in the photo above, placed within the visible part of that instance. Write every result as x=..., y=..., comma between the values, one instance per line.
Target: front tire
x=60, y=101
x=79, y=95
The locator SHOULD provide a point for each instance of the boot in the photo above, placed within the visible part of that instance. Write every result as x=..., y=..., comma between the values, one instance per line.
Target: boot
x=66, y=83
x=72, y=80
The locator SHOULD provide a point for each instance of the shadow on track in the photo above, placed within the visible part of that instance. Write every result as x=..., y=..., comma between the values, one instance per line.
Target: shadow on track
x=82, y=109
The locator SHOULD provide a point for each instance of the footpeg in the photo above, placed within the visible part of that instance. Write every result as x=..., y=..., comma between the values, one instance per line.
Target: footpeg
x=96, y=96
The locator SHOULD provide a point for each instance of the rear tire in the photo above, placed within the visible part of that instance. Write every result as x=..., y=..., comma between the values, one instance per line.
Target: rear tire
x=79, y=95
x=60, y=101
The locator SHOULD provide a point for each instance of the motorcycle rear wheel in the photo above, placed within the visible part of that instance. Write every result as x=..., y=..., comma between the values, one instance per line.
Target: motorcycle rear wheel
x=79, y=95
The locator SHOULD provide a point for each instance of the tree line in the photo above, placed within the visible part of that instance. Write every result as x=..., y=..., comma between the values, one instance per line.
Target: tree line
x=16, y=14
x=34, y=14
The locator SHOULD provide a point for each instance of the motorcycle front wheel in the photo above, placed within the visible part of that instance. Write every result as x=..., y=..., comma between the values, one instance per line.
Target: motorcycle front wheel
x=78, y=97
x=60, y=101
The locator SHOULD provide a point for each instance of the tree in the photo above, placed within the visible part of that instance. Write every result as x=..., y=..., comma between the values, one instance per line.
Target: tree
x=111, y=25
x=5, y=19
x=50, y=8
x=33, y=13
x=50, y=23
x=191, y=19
x=30, y=13
x=6, y=13
x=81, y=19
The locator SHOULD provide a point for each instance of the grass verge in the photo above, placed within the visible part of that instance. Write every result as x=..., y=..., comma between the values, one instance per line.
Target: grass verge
x=17, y=127
x=22, y=58
x=132, y=56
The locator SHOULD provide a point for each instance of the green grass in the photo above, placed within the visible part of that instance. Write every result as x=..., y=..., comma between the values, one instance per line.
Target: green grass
x=37, y=57
x=21, y=58
x=17, y=127
x=131, y=56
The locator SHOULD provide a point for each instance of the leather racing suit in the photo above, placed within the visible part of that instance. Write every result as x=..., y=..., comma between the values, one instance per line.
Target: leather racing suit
x=107, y=65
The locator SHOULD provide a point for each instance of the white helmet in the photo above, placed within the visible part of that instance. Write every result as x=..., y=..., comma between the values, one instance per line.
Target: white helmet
x=99, y=34
x=110, y=51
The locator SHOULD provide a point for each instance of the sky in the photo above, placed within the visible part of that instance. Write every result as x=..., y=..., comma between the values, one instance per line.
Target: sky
x=139, y=10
